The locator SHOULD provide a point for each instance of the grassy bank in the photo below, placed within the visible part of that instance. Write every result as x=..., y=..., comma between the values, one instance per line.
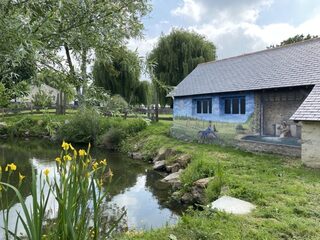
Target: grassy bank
x=85, y=126
x=285, y=192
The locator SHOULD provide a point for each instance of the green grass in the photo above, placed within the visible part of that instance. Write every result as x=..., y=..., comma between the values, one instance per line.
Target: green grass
x=285, y=192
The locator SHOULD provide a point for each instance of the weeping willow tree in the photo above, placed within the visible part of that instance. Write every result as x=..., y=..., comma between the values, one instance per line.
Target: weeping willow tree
x=120, y=75
x=176, y=55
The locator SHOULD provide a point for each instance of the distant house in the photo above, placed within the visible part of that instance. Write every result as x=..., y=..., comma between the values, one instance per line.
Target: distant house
x=34, y=89
x=268, y=87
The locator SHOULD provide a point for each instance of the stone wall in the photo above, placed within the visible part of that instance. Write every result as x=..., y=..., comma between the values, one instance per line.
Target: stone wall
x=253, y=146
x=279, y=105
x=310, y=155
x=255, y=124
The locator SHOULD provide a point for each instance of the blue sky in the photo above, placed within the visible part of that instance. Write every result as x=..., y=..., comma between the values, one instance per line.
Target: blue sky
x=234, y=26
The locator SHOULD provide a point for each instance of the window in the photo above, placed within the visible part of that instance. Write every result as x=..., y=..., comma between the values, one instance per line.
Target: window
x=204, y=106
x=235, y=105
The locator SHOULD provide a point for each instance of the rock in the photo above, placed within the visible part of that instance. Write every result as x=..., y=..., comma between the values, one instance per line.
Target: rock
x=173, y=177
x=187, y=198
x=183, y=160
x=173, y=168
x=198, y=195
x=232, y=205
x=203, y=183
x=159, y=165
x=163, y=153
x=137, y=156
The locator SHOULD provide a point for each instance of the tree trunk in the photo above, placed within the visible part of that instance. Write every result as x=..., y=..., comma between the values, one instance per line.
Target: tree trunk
x=157, y=106
x=72, y=72
x=84, y=69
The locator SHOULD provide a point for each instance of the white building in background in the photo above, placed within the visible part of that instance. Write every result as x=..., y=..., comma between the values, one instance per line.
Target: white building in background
x=36, y=89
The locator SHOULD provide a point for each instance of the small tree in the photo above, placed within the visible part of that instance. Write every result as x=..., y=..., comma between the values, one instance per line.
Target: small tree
x=41, y=99
x=295, y=39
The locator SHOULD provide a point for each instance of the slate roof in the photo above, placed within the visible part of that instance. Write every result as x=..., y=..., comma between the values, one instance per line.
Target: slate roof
x=310, y=108
x=292, y=65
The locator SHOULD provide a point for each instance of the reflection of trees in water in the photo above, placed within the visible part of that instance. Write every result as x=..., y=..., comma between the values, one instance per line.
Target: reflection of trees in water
x=125, y=170
x=10, y=155
x=162, y=191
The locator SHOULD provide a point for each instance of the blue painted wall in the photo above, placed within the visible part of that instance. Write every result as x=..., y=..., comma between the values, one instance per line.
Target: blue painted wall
x=186, y=107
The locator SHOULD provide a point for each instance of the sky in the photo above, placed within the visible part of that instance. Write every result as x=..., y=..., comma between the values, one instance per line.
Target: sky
x=234, y=26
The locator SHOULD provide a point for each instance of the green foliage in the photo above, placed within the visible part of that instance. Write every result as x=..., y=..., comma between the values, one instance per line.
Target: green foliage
x=117, y=104
x=197, y=170
x=295, y=39
x=31, y=126
x=4, y=97
x=112, y=138
x=214, y=186
x=78, y=27
x=41, y=99
x=56, y=80
x=121, y=75
x=176, y=55
x=83, y=127
x=78, y=188
x=87, y=125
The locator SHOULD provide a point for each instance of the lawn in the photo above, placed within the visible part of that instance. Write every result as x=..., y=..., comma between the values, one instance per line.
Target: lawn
x=285, y=192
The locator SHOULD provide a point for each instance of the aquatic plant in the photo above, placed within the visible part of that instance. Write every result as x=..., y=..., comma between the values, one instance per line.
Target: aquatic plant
x=78, y=186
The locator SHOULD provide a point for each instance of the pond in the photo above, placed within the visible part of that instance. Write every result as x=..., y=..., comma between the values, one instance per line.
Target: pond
x=135, y=188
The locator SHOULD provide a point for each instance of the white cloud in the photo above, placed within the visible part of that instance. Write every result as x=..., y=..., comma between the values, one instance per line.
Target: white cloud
x=189, y=8
x=233, y=39
x=232, y=25
x=221, y=10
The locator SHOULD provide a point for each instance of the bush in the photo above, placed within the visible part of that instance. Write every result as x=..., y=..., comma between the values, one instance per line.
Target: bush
x=4, y=96
x=84, y=127
x=112, y=138
x=42, y=99
x=87, y=125
x=28, y=126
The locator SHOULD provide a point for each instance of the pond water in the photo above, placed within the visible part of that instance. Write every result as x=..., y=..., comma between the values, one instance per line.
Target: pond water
x=135, y=188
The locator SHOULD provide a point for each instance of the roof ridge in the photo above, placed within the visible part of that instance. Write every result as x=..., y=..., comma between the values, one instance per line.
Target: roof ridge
x=264, y=50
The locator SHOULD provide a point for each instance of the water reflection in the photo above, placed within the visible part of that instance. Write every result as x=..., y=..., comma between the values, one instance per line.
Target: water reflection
x=134, y=189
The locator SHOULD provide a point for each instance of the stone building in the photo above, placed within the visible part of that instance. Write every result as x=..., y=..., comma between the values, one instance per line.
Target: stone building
x=268, y=88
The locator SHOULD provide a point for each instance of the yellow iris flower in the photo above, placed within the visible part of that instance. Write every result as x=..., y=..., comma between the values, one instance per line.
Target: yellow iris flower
x=65, y=146
x=11, y=167
x=82, y=153
x=67, y=157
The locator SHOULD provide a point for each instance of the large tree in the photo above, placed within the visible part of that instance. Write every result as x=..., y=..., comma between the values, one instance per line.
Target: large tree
x=175, y=56
x=76, y=28
x=294, y=39
x=120, y=75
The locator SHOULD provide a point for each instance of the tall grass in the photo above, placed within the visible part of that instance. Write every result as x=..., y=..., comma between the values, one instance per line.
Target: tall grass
x=78, y=187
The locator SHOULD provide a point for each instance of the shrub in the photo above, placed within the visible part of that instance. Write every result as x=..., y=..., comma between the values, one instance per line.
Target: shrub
x=28, y=126
x=41, y=99
x=4, y=96
x=83, y=127
x=112, y=138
